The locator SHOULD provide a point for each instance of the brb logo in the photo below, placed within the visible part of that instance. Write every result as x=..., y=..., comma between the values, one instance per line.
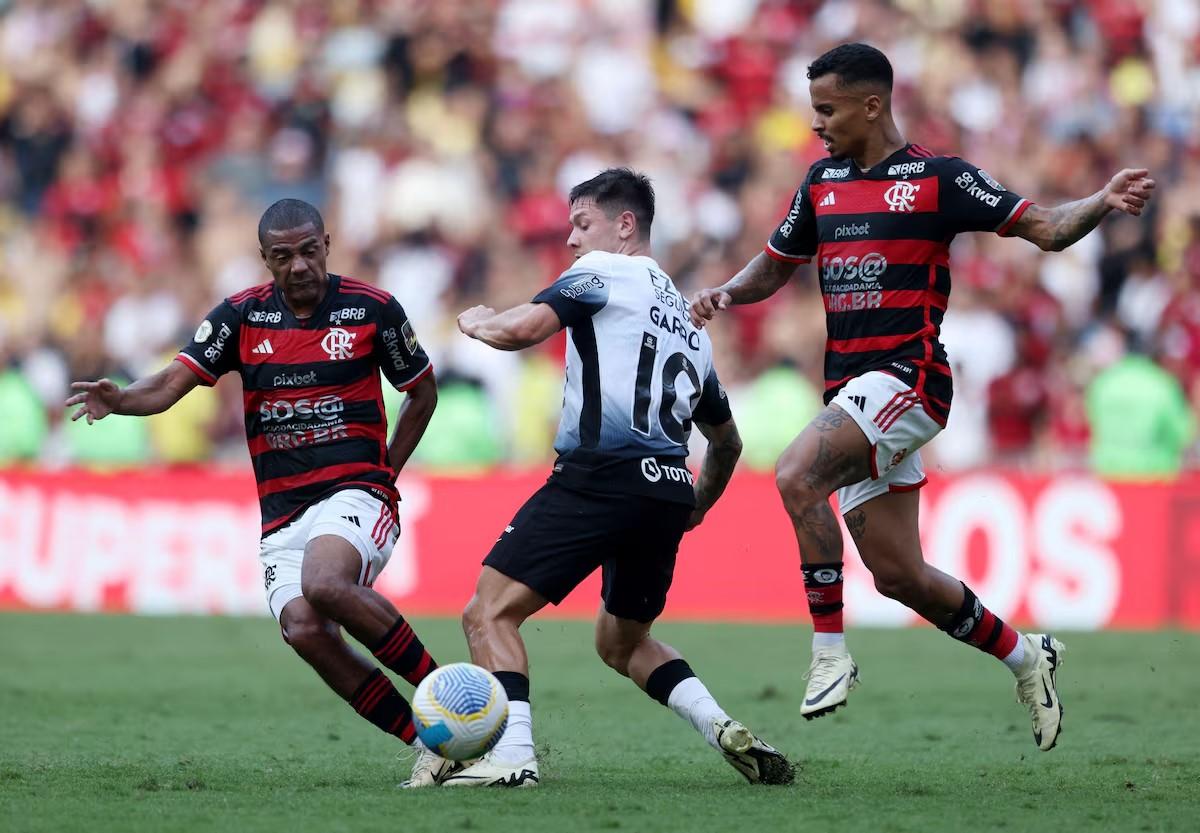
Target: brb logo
x=868, y=268
x=902, y=196
x=339, y=344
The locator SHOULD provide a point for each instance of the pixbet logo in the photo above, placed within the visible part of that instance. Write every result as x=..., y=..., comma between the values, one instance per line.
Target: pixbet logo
x=851, y=230
x=339, y=344
x=867, y=268
x=902, y=196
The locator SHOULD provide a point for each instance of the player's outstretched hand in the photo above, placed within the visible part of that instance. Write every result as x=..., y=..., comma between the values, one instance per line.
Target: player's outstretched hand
x=469, y=319
x=705, y=305
x=1129, y=191
x=99, y=399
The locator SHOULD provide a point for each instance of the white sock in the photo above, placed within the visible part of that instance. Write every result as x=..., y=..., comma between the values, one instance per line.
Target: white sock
x=1016, y=657
x=829, y=641
x=516, y=744
x=691, y=701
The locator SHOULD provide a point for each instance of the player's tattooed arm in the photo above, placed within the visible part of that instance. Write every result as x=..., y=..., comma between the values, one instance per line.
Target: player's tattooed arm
x=724, y=449
x=415, y=413
x=1054, y=229
x=759, y=279
x=151, y=395
x=514, y=329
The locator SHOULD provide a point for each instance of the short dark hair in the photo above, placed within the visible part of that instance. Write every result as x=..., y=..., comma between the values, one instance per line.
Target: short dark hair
x=853, y=63
x=620, y=189
x=288, y=214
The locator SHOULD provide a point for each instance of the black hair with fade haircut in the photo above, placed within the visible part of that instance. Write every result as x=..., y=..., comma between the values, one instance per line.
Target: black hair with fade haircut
x=288, y=214
x=620, y=189
x=853, y=63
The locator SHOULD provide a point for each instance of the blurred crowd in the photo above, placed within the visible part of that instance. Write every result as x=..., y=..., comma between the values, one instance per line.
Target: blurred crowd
x=140, y=141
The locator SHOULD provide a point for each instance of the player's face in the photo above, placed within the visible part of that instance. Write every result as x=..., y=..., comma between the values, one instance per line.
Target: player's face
x=296, y=259
x=594, y=231
x=841, y=115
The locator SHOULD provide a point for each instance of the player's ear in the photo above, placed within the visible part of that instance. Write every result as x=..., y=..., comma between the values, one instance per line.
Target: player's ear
x=326, y=242
x=873, y=105
x=626, y=225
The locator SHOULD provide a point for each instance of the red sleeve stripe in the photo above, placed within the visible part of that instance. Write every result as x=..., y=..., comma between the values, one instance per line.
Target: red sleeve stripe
x=1020, y=208
x=352, y=286
x=412, y=382
x=194, y=366
x=778, y=255
x=920, y=150
x=294, y=481
x=260, y=291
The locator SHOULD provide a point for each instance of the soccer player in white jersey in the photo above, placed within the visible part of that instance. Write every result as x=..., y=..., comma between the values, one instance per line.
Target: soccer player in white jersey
x=620, y=497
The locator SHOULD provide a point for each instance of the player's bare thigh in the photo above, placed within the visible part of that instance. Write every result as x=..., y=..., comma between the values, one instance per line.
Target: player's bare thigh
x=830, y=452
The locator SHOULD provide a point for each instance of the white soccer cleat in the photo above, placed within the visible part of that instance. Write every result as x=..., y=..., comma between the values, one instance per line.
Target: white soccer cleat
x=758, y=762
x=488, y=772
x=1038, y=688
x=430, y=769
x=830, y=678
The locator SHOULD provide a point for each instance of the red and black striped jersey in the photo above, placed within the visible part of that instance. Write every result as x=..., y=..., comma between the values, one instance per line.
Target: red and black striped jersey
x=881, y=241
x=313, y=400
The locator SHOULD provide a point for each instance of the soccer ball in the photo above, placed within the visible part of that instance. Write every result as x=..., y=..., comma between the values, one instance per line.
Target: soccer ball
x=460, y=711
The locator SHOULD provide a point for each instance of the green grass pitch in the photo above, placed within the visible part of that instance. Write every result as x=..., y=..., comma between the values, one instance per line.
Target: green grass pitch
x=191, y=724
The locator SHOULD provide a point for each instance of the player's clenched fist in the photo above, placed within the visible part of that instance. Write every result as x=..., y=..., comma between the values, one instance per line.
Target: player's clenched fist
x=1129, y=191
x=706, y=303
x=469, y=319
x=99, y=399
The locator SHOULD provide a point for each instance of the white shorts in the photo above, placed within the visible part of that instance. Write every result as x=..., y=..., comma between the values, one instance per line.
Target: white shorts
x=890, y=413
x=366, y=522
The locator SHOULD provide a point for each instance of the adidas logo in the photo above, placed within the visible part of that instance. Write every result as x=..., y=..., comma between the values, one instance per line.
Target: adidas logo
x=352, y=519
x=828, y=199
x=859, y=401
x=264, y=348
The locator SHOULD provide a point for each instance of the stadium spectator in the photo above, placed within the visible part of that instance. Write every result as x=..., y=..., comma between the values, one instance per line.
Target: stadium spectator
x=138, y=141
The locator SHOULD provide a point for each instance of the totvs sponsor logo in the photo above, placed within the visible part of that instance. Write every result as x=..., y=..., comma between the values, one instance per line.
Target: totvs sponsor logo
x=654, y=471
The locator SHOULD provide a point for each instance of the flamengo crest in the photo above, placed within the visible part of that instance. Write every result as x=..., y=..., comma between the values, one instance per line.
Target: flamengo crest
x=902, y=196
x=338, y=343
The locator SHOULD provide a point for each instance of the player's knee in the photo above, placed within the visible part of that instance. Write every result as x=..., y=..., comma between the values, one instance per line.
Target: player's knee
x=326, y=595
x=308, y=637
x=615, y=653
x=795, y=487
x=902, y=585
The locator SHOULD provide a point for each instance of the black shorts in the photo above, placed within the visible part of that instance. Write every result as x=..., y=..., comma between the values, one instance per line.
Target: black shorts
x=560, y=536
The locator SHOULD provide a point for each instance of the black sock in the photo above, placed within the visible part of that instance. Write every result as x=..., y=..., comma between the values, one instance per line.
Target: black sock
x=516, y=685
x=378, y=701
x=662, y=680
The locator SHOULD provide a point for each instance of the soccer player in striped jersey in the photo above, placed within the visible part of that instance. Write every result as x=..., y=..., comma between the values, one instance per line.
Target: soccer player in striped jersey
x=878, y=216
x=620, y=496
x=309, y=347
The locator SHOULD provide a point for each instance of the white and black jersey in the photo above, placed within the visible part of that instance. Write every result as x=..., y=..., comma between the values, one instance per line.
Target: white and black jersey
x=638, y=373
